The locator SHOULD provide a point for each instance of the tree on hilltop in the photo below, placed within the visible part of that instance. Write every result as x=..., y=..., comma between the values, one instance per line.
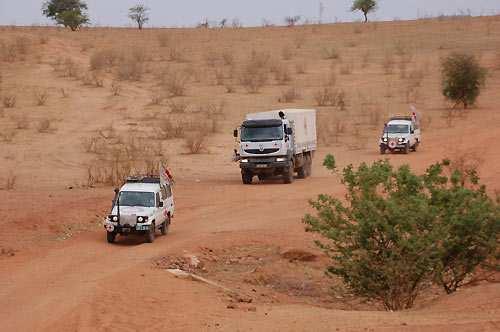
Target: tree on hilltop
x=366, y=6
x=69, y=13
x=139, y=14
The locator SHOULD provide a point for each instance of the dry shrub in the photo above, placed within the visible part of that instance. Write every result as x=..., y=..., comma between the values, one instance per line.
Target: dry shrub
x=178, y=106
x=22, y=123
x=196, y=140
x=331, y=129
x=282, y=75
x=130, y=69
x=64, y=93
x=230, y=88
x=7, y=136
x=219, y=76
x=346, y=69
x=93, y=79
x=254, y=75
x=214, y=112
x=104, y=59
x=167, y=129
x=44, y=126
x=116, y=88
x=228, y=57
x=174, y=82
x=66, y=67
x=388, y=63
x=289, y=96
x=43, y=39
x=163, y=39
x=287, y=52
x=330, y=97
x=330, y=53
x=301, y=67
x=9, y=101
x=175, y=54
x=10, y=182
x=15, y=50
x=41, y=96
x=85, y=46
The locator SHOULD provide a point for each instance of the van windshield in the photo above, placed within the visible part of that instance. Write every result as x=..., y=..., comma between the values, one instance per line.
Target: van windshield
x=397, y=129
x=261, y=134
x=137, y=198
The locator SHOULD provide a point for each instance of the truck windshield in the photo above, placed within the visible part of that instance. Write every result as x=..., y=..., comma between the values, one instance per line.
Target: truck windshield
x=397, y=129
x=136, y=198
x=261, y=134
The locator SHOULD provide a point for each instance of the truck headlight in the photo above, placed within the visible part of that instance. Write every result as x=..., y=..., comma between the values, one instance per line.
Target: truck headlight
x=114, y=218
x=244, y=161
x=142, y=219
x=280, y=159
x=384, y=139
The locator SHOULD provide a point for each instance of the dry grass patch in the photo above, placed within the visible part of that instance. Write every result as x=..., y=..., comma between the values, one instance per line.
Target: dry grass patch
x=9, y=101
x=44, y=126
x=178, y=106
x=289, y=96
x=41, y=96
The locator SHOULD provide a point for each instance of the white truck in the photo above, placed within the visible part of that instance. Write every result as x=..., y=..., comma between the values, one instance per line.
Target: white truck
x=276, y=143
x=142, y=206
x=401, y=133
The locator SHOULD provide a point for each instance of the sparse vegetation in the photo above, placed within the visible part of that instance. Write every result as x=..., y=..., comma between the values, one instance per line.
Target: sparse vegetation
x=41, y=97
x=9, y=101
x=289, y=95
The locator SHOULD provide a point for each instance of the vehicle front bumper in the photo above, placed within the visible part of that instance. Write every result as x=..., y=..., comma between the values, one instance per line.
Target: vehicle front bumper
x=263, y=165
x=115, y=227
x=398, y=146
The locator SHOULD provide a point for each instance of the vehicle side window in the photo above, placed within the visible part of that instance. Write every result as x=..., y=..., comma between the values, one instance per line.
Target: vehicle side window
x=157, y=199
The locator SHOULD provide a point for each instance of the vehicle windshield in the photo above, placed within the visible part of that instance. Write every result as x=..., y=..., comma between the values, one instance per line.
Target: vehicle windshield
x=137, y=198
x=397, y=129
x=261, y=134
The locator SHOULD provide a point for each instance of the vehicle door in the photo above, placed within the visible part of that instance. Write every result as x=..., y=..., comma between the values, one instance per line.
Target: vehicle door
x=169, y=199
x=159, y=216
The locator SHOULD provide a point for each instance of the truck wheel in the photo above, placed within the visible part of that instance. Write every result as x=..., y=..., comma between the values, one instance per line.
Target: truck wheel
x=309, y=166
x=164, y=227
x=288, y=175
x=111, y=236
x=302, y=172
x=246, y=177
x=150, y=235
x=382, y=150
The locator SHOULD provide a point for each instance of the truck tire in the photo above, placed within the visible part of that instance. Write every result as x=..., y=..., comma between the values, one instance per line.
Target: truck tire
x=302, y=172
x=246, y=177
x=150, y=235
x=111, y=237
x=309, y=165
x=165, y=226
x=288, y=175
x=382, y=150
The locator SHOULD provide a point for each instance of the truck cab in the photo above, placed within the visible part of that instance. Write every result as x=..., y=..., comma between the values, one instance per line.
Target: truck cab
x=141, y=206
x=401, y=133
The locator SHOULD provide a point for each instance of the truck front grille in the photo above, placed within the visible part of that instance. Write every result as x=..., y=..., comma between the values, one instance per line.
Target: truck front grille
x=265, y=151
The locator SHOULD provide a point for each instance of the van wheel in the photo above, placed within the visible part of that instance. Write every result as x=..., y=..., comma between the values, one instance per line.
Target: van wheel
x=288, y=175
x=111, y=236
x=164, y=227
x=246, y=177
x=150, y=235
x=415, y=147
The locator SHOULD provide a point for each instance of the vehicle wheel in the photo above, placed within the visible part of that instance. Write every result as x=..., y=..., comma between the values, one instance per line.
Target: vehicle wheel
x=246, y=177
x=164, y=227
x=150, y=235
x=382, y=150
x=288, y=175
x=302, y=172
x=309, y=166
x=111, y=236
x=415, y=147
x=407, y=148
x=262, y=177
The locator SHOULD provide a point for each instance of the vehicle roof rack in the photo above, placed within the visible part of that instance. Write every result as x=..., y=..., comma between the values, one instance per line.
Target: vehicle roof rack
x=143, y=179
x=402, y=117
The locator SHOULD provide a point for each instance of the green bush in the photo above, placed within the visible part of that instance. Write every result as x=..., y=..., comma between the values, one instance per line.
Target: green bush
x=398, y=232
x=462, y=78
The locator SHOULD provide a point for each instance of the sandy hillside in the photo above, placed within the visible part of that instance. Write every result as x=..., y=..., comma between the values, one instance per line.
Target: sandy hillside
x=80, y=110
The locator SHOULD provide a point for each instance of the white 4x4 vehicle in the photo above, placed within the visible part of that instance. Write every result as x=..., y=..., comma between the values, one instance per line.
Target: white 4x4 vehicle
x=401, y=133
x=143, y=205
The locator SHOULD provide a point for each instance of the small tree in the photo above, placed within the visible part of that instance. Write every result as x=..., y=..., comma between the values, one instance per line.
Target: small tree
x=462, y=78
x=291, y=21
x=139, y=14
x=366, y=6
x=69, y=13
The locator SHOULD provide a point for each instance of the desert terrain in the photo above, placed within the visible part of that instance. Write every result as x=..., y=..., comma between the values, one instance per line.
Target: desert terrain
x=82, y=109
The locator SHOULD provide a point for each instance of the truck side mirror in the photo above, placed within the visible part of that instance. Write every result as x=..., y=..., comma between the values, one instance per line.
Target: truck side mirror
x=412, y=131
x=235, y=133
x=289, y=131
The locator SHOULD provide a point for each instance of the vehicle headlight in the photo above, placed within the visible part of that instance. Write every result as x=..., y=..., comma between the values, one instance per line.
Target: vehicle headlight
x=401, y=139
x=114, y=218
x=280, y=159
x=142, y=219
x=244, y=161
x=384, y=139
